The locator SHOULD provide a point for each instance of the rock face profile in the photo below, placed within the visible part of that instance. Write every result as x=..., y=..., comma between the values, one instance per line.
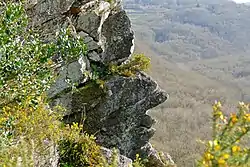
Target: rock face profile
x=117, y=115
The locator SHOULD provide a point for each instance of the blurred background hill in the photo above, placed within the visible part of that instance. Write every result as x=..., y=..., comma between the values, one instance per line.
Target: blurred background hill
x=199, y=51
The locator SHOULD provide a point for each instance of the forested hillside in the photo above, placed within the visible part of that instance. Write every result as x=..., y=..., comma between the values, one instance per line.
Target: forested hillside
x=202, y=34
x=200, y=52
x=204, y=29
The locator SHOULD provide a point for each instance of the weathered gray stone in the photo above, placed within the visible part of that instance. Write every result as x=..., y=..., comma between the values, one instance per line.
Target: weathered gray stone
x=89, y=41
x=117, y=115
x=48, y=158
x=158, y=159
x=64, y=100
x=69, y=74
x=106, y=25
x=84, y=35
x=119, y=37
x=122, y=160
x=47, y=16
x=147, y=121
x=94, y=56
x=89, y=23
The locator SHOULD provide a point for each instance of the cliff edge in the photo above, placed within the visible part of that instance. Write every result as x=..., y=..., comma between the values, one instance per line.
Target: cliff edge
x=117, y=115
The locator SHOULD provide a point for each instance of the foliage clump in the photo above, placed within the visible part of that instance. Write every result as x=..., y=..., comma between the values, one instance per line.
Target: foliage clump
x=228, y=147
x=28, y=126
x=26, y=65
x=80, y=151
x=138, y=62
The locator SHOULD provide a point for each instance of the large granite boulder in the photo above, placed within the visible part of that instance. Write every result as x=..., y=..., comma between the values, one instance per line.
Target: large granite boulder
x=117, y=113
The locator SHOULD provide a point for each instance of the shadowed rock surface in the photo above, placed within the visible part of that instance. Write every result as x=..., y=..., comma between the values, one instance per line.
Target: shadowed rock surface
x=117, y=115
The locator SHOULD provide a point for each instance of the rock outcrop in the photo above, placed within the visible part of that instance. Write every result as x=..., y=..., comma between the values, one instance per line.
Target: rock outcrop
x=117, y=115
x=157, y=159
x=122, y=160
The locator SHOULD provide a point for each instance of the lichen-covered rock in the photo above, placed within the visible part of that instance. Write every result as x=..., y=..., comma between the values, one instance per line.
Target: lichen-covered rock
x=105, y=25
x=118, y=114
x=71, y=73
x=90, y=42
x=158, y=159
x=49, y=158
x=119, y=37
x=122, y=160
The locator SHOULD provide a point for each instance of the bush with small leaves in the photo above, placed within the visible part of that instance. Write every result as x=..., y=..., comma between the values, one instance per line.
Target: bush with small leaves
x=227, y=147
x=138, y=62
x=138, y=162
x=26, y=65
x=28, y=126
x=80, y=150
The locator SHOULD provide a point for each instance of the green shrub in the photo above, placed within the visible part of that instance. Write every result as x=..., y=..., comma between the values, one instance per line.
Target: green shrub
x=28, y=127
x=26, y=66
x=80, y=150
x=138, y=62
x=227, y=147
x=101, y=73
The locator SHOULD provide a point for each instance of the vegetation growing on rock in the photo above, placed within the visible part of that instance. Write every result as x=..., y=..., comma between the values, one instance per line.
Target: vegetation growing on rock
x=177, y=33
x=137, y=63
x=230, y=141
x=29, y=128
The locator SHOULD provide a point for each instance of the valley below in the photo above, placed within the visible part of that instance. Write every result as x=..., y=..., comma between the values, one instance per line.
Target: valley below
x=199, y=53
